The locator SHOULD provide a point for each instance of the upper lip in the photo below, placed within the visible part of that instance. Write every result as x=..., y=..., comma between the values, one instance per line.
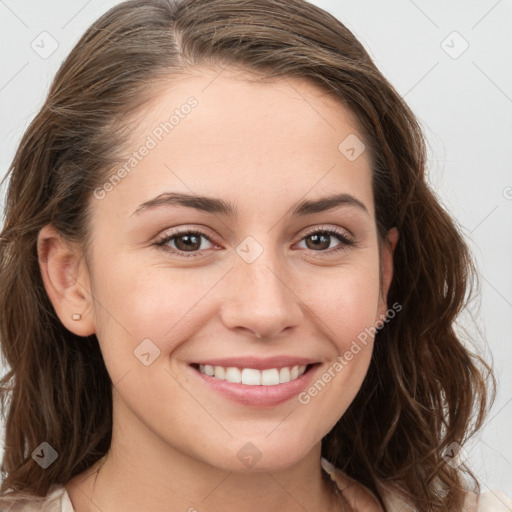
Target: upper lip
x=257, y=362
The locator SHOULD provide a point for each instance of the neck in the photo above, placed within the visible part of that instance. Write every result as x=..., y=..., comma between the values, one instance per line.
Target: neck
x=132, y=485
x=152, y=475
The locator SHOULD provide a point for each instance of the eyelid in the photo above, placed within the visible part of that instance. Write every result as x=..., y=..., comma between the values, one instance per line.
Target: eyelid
x=168, y=235
x=347, y=239
x=333, y=229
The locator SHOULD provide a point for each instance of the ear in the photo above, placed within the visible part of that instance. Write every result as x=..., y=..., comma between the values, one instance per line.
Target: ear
x=386, y=268
x=66, y=280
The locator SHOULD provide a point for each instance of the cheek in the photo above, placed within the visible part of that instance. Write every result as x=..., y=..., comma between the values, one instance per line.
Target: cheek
x=346, y=300
x=137, y=302
x=347, y=306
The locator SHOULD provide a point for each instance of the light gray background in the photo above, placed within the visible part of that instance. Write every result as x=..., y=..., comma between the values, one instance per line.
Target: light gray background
x=464, y=103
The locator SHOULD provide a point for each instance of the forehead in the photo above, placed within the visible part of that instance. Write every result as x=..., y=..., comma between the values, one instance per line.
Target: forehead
x=263, y=140
x=237, y=100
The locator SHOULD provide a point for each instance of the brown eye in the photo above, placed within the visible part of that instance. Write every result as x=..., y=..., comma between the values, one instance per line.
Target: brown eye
x=188, y=242
x=184, y=242
x=320, y=240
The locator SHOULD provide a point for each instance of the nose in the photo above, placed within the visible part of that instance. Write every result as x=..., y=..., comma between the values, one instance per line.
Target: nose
x=260, y=298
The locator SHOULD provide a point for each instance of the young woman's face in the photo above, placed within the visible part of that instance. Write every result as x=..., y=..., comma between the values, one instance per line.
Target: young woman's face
x=179, y=283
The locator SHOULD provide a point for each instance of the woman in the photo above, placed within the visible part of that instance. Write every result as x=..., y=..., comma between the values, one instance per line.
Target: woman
x=227, y=285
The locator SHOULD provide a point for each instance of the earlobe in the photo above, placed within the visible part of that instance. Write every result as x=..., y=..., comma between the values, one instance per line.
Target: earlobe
x=66, y=280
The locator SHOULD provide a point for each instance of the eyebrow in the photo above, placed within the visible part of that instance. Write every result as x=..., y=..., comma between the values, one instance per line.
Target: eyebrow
x=222, y=207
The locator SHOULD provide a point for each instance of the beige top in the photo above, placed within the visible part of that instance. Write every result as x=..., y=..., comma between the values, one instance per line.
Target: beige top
x=57, y=499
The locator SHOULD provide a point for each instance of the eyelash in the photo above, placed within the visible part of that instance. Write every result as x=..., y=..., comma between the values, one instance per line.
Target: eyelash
x=346, y=242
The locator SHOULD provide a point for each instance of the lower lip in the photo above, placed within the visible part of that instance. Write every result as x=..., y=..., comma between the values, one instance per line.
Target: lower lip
x=258, y=396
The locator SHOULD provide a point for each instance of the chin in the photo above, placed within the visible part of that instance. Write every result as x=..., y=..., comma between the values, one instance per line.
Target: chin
x=252, y=455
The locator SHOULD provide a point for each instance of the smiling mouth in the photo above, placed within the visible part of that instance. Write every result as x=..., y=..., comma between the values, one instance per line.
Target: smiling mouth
x=253, y=376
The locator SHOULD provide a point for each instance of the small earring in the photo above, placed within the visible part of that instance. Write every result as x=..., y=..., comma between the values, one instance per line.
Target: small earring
x=76, y=316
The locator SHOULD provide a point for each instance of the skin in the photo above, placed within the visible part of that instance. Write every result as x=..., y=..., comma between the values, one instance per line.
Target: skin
x=264, y=146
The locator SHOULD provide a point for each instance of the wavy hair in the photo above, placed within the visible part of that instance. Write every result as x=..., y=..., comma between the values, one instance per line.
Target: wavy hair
x=424, y=388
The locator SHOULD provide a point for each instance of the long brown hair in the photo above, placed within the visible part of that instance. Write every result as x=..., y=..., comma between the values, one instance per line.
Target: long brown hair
x=424, y=389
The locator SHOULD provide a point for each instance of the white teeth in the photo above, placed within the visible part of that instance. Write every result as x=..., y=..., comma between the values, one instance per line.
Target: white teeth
x=284, y=375
x=220, y=372
x=253, y=377
x=270, y=377
x=233, y=375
